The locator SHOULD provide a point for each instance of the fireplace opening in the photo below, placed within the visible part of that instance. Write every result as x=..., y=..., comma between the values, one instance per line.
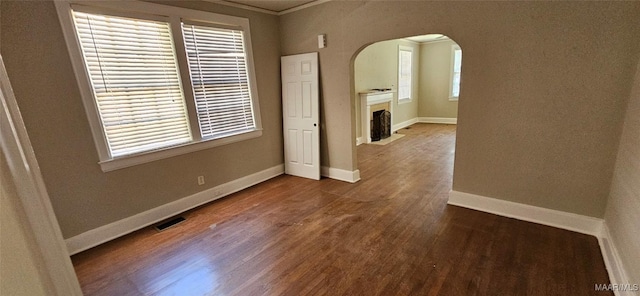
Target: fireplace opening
x=380, y=125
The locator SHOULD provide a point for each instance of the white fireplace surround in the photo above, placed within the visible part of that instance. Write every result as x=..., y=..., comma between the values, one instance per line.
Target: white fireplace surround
x=366, y=101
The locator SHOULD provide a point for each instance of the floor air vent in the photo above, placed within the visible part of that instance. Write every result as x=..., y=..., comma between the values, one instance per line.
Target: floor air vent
x=169, y=223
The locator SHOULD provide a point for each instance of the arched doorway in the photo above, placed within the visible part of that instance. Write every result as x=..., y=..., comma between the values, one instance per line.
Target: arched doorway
x=416, y=79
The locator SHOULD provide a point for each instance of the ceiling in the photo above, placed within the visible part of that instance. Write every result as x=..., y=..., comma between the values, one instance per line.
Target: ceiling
x=428, y=38
x=275, y=6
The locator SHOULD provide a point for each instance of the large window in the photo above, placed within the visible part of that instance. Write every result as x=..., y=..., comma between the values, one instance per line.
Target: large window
x=405, y=55
x=157, y=81
x=456, y=69
x=135, y=82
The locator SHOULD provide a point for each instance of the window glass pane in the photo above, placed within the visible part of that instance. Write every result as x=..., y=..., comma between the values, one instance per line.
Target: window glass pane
x=456, y=84
x=134, y=75
x=218, y=68
x=455, y=73
x=457, y=60
x=404, y=76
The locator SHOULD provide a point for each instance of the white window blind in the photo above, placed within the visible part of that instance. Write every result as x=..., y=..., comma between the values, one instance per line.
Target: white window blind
x=134, y=75
x=457, y=68
x=218, y=68
x=404, y=73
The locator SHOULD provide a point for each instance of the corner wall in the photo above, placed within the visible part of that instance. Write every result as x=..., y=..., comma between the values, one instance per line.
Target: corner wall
x=623, y=208
x=435, y=76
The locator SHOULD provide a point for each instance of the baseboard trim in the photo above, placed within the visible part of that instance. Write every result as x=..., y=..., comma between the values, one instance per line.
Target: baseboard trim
x=339, y=174
x=439, y=120
x=554, y=218
x=100, y=235
x=563, y=220
x=403, y=124
x=612, y=261
x=358, y=141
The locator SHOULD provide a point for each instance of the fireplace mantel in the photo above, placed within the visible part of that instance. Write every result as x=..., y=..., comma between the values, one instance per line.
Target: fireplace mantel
x=367, y=99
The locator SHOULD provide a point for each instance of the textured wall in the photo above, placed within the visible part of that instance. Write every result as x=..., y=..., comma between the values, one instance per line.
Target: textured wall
x=82, y=195
x=545, y=87
x=623, y=208
x=435, y=73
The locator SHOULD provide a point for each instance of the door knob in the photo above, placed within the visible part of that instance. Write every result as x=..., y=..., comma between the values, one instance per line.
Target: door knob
x=315, y=124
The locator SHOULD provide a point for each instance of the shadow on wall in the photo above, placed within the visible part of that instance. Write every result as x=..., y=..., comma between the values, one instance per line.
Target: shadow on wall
x=324, y=149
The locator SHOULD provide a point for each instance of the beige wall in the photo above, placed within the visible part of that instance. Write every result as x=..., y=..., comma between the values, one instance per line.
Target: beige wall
x=376, y=66
x=622, y=216
x=22, y=269
x=82, y=195
x=435, y=76
x=545, y=87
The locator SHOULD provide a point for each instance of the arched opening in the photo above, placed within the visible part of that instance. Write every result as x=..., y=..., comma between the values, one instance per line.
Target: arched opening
x=416, y=82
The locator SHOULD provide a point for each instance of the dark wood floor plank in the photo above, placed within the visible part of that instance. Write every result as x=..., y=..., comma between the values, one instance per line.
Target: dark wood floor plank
x=392, y=233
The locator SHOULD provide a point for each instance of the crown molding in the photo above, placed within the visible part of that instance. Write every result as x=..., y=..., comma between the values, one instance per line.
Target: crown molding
x=267, y=11
x=242, y=6
x=303, y=6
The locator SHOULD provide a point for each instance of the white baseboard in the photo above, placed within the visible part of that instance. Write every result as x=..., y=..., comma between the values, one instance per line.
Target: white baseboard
x=569, y=221
x=554, y=218
x=403, y=124
x=613, y=262
x=359, y=141
x=339, y=174
x=440, y=120
x=119, y=228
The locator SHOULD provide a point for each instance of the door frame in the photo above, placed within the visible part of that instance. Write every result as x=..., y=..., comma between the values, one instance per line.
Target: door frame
x=25, y=172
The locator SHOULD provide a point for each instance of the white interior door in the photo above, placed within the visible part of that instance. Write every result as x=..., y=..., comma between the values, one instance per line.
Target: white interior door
x=300, y=113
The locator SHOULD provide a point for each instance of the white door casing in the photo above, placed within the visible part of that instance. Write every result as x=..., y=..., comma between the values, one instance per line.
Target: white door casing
x=25, y=172
x=300, y=111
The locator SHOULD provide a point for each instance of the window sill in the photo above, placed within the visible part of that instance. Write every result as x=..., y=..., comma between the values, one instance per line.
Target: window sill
x=145, y=157
x=453, y=99
x=404, y=101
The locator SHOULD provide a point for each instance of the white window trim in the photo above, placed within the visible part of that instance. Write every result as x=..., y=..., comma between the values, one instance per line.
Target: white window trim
x=108, y=163
x=454, y=47
x=410, y=98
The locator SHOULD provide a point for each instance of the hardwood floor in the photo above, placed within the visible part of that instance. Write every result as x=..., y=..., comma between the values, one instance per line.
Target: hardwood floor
x=389, y=234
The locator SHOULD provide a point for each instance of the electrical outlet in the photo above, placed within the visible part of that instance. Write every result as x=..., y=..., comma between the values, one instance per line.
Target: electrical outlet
x=200, y=180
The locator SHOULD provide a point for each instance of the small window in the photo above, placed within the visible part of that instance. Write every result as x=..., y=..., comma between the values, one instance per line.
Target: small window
x=405, y=55
x=456, y=69
x=155, y=84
